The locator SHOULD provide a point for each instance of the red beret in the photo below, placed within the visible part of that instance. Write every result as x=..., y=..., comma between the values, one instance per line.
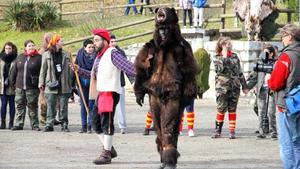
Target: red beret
x=103, y=33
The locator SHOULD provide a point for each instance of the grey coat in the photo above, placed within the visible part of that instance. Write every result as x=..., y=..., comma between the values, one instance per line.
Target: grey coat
x=47, y=73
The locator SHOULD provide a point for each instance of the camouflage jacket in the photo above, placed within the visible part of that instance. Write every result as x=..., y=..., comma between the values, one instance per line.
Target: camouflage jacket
x=229, y=74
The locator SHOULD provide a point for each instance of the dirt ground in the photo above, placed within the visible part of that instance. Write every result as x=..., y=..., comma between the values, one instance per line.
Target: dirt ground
x=38, y=150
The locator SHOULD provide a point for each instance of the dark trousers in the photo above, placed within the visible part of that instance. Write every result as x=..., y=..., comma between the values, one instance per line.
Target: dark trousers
x=104, y=122
x=189, y=11
x=147, y=3
x=85, y=117
x=128, y=7
x=8, y=99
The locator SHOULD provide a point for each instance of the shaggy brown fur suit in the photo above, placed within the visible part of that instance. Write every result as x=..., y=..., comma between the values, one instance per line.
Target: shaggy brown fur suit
x=166, y=70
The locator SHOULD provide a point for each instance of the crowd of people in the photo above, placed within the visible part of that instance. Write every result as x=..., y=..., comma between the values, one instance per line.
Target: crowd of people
x=99, y=71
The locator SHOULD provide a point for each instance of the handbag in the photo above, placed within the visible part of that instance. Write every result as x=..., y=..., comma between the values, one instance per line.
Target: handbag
x=292, y=100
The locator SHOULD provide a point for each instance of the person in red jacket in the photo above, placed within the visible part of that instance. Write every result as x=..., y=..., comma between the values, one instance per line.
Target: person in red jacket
x=285, y=76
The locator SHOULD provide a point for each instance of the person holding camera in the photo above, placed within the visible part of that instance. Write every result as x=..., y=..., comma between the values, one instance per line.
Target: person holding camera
x=258, y=77
x=229, y=77
x=56, y=81
x=285, y=76
x=7, y=93
x=25, y=77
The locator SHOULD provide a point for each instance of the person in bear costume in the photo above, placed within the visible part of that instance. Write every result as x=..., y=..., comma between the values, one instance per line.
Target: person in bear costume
x=166, y=69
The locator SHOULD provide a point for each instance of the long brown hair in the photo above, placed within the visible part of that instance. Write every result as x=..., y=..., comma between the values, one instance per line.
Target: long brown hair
x=13, y=46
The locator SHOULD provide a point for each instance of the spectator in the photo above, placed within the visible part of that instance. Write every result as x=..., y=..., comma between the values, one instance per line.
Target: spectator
x=147, y=2
x=120, y=109
x=85, y=59
x=25, y=77
x=127, y=9
x=187, y=9
x=285, y=76
x=56, y=81
x=198, y=6
x=7, y=92
x=259, y=79
x=229, y=78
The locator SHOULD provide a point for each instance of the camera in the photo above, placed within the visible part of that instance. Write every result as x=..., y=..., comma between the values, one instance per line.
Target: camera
x=267, y=64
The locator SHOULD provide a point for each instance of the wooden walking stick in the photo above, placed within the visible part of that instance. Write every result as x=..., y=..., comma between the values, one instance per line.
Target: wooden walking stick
x=79, y=85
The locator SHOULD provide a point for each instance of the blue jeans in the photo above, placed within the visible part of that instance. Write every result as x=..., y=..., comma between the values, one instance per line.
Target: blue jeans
x=10, y=99
x=128, y=7
x=90, y=103
x=289, y=139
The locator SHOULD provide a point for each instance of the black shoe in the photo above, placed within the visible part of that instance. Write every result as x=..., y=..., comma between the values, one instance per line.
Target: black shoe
x=17, y=128
x=48, y=129
x=89, y=129
x=56, y=122
x=261, y=136
x=65, y=129
x=146, y=132
x=274, y=136
x=36, y=128
x=10, y=124
x=83, y=130
x=3, y=124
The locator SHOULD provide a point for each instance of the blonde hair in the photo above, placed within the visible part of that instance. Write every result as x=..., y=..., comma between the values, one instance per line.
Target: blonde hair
x=221, y=42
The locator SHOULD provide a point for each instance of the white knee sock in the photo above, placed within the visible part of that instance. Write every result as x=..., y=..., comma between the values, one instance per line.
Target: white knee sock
x=107, y=142
x=101, y=138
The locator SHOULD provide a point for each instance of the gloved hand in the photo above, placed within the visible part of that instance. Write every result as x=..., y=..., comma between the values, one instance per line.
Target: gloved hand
x=140, y=101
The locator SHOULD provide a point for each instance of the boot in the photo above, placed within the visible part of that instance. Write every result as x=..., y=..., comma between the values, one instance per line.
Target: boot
x=104, y=158
x=11, y=124
x=218, y=130
x=146, y=132
x=3, y=124
x=65, y=128
x=113, y=152
x=89, y=129
x=83, y=129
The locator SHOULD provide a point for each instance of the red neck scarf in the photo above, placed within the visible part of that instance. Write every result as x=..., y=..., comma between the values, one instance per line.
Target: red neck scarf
x=229, y=54
x=35, y=52
x=100, y=54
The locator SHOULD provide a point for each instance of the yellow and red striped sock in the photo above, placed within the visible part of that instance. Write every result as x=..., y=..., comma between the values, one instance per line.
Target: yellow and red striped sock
x=232, y=121
x=148, y=120
x=181, y=123
x=220, y=117
x=190, y=119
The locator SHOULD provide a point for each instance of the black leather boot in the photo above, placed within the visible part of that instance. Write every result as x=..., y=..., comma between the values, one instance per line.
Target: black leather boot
x=11, y=124
x=218, y=130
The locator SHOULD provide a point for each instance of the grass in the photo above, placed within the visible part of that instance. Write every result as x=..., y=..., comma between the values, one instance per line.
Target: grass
x=71, y=30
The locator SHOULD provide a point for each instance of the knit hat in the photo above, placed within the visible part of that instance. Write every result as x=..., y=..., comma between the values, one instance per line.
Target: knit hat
x=54, y=40
x=103, y=33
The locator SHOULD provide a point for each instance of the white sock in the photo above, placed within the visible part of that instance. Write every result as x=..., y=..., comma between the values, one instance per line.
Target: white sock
x=101, y=138
x=107, y=142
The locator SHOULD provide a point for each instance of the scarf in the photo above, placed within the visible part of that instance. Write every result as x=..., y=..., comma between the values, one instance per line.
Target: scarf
x=29, y=54
x=229, y=54
x=100, y=54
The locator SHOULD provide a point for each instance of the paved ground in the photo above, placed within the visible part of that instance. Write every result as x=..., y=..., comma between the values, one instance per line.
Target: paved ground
x=30, y=149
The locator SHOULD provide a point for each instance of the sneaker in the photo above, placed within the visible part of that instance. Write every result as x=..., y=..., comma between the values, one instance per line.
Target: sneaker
x=191, y=133
x=17, y=128
x=104, y=158
x=232, y=135
x=261, y=136
x=48, y=129
x=123, y=131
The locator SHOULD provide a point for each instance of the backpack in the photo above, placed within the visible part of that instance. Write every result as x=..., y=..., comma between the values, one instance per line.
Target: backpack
x=292, y=100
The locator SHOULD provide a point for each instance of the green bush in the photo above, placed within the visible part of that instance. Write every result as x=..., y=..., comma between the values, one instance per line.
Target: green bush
x=29, y=16
x=203, y=62
x=293, y=4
